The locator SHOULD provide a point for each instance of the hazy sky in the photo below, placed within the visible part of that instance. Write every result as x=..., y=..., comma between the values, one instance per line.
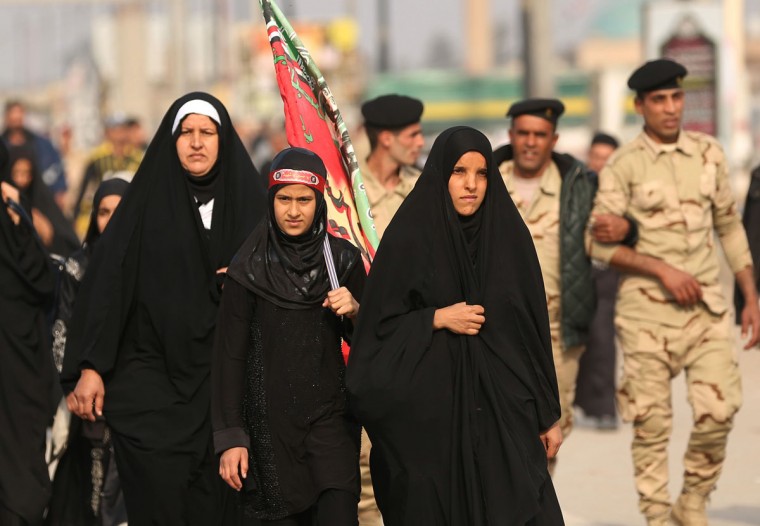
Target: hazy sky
x=39, y=40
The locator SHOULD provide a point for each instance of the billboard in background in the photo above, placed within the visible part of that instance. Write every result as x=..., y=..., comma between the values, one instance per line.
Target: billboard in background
x=690, y=46
x=691, y=33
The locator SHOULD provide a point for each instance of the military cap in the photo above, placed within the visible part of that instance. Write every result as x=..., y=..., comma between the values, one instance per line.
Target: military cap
x=603, y=138
x=391, y=112
x=549, y=109
x=661, y=73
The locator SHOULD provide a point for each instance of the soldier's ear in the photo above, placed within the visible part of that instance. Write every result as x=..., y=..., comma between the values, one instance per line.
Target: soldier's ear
x=385, y=138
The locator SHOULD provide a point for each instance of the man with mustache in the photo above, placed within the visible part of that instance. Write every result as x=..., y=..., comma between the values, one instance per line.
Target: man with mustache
x=554, y=193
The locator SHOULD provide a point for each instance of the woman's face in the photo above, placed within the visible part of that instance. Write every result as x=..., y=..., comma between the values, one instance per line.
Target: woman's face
x=468, y=182
x=21, y=173
x=294, y=208
x=106, y=209
x=198, y=144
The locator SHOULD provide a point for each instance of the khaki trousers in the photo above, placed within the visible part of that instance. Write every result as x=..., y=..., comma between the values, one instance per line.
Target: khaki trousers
x=653, y=354
x=566, y=366
x=369, y=515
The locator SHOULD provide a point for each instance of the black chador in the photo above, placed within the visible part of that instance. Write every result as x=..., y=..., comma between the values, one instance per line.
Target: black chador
x=455, y=420
x=146, y=313
x=26, y=369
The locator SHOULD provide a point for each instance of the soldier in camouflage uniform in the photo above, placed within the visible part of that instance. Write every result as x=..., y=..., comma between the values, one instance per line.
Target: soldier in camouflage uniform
x=392, y=123
x=554, y=194
x=395, y=137
x=671, y=314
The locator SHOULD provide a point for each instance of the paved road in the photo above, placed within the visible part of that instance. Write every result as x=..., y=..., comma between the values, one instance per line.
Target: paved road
x=594, y=477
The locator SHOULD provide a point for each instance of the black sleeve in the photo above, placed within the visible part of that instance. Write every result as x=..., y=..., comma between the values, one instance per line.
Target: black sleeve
x=228, y=367
x=632, y=237
x=355, y=285
x=23, y=250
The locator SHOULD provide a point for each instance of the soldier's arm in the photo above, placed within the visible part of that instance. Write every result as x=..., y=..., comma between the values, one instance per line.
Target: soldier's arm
x=726, y=217
x=613, y=198
x=684, y=288
x=604, y=232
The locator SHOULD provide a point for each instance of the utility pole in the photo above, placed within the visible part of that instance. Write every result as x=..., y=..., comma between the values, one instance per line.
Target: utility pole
x=383, y=43
x=179, y=64
x=537, y=49
x=479, y=31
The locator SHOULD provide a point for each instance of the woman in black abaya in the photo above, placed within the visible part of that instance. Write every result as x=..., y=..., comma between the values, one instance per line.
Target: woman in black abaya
x=278, y=401
x=26, y=369
x=144, y=319
x=451, y=370
x=86, y=488
x=54, y=229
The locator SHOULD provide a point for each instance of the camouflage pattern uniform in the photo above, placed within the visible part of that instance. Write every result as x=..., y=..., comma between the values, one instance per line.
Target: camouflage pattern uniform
x=384, y=202
x=542, y=217
x=678, y=197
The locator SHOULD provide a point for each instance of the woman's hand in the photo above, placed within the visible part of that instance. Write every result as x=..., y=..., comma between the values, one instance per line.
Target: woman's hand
x=460, y=318
x=342, y=303
x=8, y=191
x=233, y=465
x=43, y=226
x=88, y=395
x=552, y=439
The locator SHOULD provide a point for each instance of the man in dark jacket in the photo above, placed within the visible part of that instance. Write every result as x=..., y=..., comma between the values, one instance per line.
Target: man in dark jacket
x=595, y=393
x=554, y=194
x=751, y=221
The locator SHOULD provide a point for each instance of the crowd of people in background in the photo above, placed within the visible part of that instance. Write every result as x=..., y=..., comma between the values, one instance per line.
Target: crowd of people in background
x=173, y=318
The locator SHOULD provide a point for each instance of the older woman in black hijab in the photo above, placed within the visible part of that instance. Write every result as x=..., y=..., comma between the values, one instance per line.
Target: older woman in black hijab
x=278, y=400
x=26, y=370
x=451, y=368
x=144, y=319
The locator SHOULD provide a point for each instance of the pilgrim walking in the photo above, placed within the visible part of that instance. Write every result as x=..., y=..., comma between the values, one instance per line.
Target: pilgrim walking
x=86, y=487
x=279, y=406
x=26, y=368
x=144, y=320
x=451, y=368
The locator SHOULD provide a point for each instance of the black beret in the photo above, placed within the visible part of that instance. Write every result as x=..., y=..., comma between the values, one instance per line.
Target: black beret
x=657, y=74
x=549, y=109
x=391, y=112
x=603, y=138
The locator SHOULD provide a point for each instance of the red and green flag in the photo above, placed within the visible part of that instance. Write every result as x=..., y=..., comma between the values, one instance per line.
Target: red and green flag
x=313, y=121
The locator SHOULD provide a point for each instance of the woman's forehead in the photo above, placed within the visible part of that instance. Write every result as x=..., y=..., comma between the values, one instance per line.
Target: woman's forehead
x=196, y=119
x=295, y=190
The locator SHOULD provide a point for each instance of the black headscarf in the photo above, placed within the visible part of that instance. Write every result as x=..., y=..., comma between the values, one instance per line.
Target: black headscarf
x=287, y=270
x=455, y=420
x=155, y=254
x=38, y=196
x=115, y=186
